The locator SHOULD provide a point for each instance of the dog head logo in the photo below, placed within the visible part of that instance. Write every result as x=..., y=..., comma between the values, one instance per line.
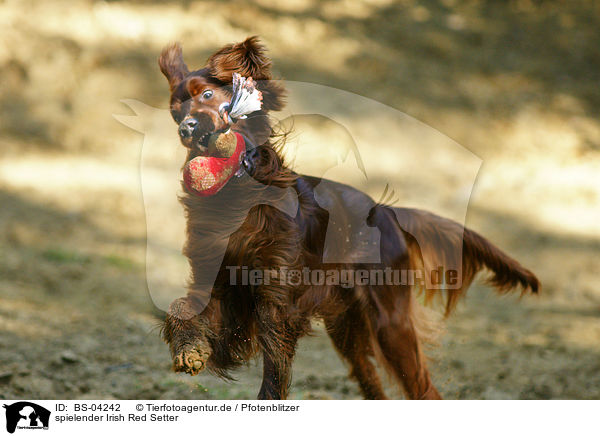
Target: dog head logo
x=26, y=415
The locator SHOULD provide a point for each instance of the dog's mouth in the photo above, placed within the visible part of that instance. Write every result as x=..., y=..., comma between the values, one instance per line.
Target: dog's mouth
x=198, y=144
x=201, y=144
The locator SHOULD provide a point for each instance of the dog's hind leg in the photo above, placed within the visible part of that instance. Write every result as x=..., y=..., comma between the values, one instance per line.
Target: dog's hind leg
x=352, y=338
x=401, y=347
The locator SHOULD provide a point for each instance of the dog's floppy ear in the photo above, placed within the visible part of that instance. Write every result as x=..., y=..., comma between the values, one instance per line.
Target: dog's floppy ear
x=247, y=58
x=172, y=65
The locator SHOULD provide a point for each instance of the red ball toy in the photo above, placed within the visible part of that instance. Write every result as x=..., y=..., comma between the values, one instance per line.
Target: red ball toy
x=206, y=175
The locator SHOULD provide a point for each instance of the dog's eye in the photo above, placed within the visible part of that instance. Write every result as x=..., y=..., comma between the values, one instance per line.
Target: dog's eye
x=207, y=94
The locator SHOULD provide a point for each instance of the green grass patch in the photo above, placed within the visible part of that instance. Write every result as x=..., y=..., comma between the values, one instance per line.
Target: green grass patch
x=120, y=262
x=201, y=387
x=62, y=255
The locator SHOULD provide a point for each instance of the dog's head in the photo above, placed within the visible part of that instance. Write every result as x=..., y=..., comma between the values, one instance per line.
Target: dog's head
x=197, y=95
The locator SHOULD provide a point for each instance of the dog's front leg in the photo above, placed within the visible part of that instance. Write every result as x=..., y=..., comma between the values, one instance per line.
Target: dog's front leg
x=276, y=379
x=187, y=334
x=278, y=338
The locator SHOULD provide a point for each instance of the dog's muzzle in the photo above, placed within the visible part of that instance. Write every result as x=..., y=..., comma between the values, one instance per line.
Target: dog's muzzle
x=195, y=129
x=187, y=127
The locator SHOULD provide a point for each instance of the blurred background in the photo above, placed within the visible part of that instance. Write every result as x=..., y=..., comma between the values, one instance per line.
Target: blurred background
x=514, y=82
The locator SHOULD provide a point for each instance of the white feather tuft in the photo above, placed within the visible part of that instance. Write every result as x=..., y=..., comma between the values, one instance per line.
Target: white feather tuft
x=245, y=99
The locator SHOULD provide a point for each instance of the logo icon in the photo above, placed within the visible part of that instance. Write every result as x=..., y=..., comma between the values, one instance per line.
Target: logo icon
x=26, y=415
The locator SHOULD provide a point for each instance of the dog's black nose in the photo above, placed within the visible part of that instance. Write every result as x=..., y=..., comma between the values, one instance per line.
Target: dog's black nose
x=187, y=126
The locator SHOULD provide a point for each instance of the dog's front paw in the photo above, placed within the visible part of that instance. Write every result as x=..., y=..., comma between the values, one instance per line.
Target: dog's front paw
x=192, y=358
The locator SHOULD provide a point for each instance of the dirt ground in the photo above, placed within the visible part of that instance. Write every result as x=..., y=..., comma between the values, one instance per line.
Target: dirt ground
x=515, y=83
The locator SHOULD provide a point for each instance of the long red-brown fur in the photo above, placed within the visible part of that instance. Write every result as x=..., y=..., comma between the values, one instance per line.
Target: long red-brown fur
x=220, y=326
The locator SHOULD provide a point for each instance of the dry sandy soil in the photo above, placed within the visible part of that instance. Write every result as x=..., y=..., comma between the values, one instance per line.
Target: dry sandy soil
x=515, y=83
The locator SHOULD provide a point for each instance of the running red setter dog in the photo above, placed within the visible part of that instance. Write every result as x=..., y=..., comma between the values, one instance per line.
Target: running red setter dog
x=223, y=321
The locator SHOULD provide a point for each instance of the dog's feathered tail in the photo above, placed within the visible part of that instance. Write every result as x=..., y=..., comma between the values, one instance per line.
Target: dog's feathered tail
x=436, y=243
